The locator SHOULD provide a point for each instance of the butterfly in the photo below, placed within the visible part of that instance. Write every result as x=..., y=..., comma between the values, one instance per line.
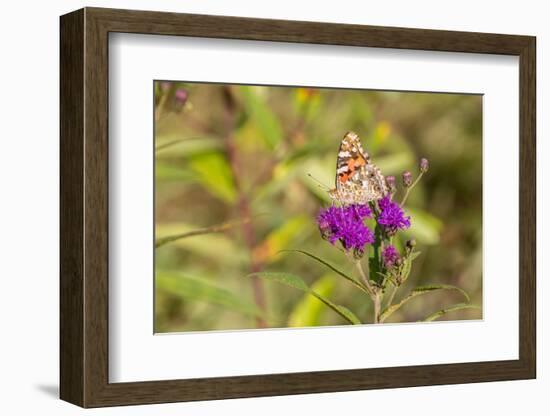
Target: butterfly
x=358, y=180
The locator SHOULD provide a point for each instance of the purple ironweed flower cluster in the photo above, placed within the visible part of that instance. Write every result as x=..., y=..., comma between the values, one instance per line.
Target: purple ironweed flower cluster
x=390, y=255
x=346, y=224
x=392, y=218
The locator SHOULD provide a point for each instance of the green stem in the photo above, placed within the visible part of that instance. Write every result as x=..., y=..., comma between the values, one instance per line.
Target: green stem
x=364, y=278
x=374, y=293
x=392, y=295
x=377, y=302
x=208, y=230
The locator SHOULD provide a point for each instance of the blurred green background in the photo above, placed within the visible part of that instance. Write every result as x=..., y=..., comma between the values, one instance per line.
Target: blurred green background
x=231, y=167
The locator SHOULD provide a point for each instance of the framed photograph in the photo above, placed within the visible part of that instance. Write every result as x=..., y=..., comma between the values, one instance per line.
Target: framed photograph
x=256, y=207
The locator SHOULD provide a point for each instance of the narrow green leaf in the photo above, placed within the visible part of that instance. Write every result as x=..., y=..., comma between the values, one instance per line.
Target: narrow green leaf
x=196, y=289
x=214, y=173
x=452, y=308
x=262, y=116
x=340, y=310
x=288, y=279
x=166, y=144
x=417, y=292
x=289, y=232
x=331, y=267
x=298, y=283
x=309, y=310
x=414, y=255
x=166, y=172
x=176, y=146
x=349, y=315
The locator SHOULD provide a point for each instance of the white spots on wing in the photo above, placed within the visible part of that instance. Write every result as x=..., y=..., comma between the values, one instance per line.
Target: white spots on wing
x=342, y=169
x=344, y=153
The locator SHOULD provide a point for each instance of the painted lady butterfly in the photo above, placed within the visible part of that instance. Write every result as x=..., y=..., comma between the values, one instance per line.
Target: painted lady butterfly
x=358, y=181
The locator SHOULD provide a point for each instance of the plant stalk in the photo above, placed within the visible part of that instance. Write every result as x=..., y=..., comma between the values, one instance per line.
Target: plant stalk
x=248, y=230
x=392, y=295
x=375, y=294
x=377, y=302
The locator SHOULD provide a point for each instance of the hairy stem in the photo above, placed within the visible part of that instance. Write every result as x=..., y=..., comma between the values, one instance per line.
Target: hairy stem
x=377, y=302
x=364, y=278
x=392, y=295
x=200, y=231
x=374, y=292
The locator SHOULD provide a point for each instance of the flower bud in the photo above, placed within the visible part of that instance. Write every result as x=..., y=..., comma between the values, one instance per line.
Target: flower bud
x=358, y=253
x=181, y=96
x=407, y=179
x=424, y=165
x=411, y=243
x=390, y=181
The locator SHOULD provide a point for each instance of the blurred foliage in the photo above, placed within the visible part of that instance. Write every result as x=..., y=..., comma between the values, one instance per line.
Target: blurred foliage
x=232, y=165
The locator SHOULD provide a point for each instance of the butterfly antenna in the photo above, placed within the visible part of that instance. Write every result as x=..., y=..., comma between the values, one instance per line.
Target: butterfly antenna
x=319, y=183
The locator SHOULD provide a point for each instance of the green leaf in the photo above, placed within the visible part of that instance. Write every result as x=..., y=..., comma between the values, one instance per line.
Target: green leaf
x=331, y=267
x=340, y=310
x=288, y=279
x=425, y=228
x=214, y=173
x=196, y=289
x=421, y=290
x=281, y=237
x=218, y=248
x=166, y=172
x=262, y=116
x=457, y=307
x=414, y=255
x=176, y=145
x=309, y=310
x=298, y=283
x=350, y=316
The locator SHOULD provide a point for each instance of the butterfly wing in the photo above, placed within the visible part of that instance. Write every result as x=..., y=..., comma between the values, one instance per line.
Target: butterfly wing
x=350, y=158
x=358, y=181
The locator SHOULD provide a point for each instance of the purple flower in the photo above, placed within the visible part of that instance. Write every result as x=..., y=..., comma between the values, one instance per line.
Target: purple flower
x=345, y=224
x=390, y=256
x=392, y=217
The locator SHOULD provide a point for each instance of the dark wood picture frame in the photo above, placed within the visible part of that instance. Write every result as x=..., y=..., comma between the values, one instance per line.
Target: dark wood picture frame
x=84, y=207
